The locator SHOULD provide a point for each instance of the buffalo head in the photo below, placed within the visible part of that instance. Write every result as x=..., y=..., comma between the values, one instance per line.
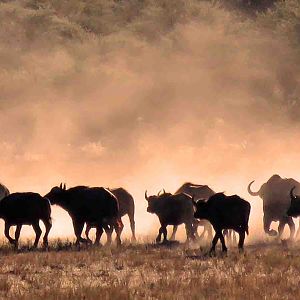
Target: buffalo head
x=294, y=209
x=56, y=194
x=201, y=209
x=272, y=184
x=152, y=202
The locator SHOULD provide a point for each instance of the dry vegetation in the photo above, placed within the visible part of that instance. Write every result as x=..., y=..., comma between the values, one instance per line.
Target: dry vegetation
x=90, y=89
x=264, y=271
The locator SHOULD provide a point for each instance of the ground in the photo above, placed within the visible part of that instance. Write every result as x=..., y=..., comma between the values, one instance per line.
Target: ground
x=149, y=271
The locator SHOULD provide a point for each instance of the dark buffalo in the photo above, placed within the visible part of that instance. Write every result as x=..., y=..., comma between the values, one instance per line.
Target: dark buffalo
x=275, y=194
x=197, y=191
x=225, y=212
x=126, y=207
x=93, y=205
x=202, y=192
x=172, y=210
x=26, y=209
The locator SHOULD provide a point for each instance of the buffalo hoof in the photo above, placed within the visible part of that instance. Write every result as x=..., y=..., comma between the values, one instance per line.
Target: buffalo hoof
x=89, y=241
x=45, y=246
x=272, y=232
x=84, y=241
x=12, y=242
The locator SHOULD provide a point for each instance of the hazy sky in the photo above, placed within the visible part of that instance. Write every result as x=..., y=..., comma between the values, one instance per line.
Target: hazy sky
x=206, y=103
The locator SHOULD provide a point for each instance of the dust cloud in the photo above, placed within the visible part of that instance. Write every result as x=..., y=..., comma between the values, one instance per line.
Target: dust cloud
x=211, y=100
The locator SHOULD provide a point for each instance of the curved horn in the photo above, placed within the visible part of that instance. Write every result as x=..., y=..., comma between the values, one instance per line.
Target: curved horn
x=159, y=193
x=250, y=192
x=60, y=186
x=293, y=197
x=64, y=187
x=146, y=197
x=164, y=191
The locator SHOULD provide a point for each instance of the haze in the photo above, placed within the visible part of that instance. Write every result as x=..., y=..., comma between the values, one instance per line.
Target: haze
x=210, y=98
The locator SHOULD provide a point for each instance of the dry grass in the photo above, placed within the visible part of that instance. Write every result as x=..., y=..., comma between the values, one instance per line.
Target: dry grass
x=148, y=271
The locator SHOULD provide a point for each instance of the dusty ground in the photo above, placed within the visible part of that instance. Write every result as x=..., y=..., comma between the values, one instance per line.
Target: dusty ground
x=149, y=271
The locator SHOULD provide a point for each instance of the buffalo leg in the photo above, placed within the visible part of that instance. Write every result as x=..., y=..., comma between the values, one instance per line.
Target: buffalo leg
x=214, y=242
x=48, y=226
x=87, y=231
x=291, y=224
x=109, y=231
x=189, y=232
x=221, y=236
x=281, y=228
x=241, y=240
x=132, y=225
x=78, y=227
x=158, y=238
x=267, y=224
x=99, y=231
x=118, y=226
x=38, y=231
x=172, y=238
x=6, y=232
x=164, y=232
x=17, y=235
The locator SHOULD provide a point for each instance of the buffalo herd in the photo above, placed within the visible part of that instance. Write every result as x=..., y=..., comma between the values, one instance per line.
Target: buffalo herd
x=192, y=205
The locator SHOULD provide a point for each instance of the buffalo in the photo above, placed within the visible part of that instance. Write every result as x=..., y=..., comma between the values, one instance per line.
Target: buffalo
x=92, y=205
x=197, y=191
x=275, y=194
x=19, y=209
x=202, y=192
x=126, y=207
x=225, y=212
x=172, y=210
